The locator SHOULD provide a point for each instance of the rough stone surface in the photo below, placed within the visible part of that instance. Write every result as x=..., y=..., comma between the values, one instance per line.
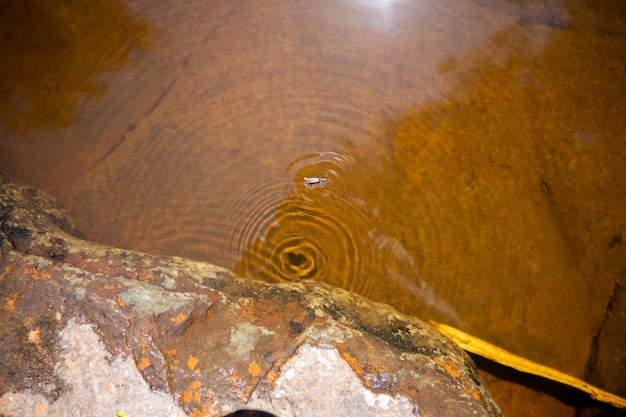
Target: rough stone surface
x=92, y=330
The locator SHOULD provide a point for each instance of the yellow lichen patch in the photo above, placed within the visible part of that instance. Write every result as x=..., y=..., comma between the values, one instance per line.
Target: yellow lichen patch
x=187, y=395
x=179, y=319
x=192, y=362
x=109, y=286
x=143, y=364
x=195, y=385
x=120, y=302
x=254, y=370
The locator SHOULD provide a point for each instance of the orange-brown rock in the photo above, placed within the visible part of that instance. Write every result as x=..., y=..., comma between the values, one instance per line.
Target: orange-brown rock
x=92, y=330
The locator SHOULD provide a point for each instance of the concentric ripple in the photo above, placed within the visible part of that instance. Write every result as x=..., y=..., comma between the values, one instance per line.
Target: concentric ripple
x=293, y=232
x=318, y=233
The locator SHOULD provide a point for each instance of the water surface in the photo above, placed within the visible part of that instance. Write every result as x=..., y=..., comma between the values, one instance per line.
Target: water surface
x=473, y=151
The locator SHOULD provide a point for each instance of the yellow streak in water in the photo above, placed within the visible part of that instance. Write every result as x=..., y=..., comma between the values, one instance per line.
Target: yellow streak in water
x=487, y=350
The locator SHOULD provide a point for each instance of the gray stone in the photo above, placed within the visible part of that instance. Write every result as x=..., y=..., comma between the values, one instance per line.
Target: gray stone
x=91, y=330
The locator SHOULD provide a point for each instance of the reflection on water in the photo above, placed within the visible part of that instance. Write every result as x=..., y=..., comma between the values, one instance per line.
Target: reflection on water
x=332, y=234
x=53, y=52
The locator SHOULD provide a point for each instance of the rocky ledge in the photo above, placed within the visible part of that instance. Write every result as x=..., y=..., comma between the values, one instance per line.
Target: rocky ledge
x=90, y=330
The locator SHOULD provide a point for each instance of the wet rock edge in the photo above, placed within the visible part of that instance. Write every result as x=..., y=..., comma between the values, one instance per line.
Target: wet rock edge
x=180, y=322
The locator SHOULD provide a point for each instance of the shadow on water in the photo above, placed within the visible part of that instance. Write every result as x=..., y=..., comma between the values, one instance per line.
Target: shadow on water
x=53, y=53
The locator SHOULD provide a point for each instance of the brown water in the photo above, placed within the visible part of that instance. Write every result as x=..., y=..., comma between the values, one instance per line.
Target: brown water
x=473, y=151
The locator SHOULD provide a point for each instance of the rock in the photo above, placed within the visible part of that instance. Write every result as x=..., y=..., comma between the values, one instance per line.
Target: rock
x=90, y=330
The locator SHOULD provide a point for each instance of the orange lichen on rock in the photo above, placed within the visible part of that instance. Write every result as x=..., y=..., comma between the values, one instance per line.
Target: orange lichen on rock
x=448, y=365
x=171, y=353
x=452, y=368
x=145, y=276
x=241, y=386
x=143, y=364
x=271, y=377
x=187, y=395
x=192, y=362
x=179, y=319
x=36, y=274
x=473, y=391
x=193, y=395
x=352, y=361
x=10, y=303
x=254, y=370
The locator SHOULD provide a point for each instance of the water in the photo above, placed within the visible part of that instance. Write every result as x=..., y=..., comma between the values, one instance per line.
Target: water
x=331, y=234
x=474, y=152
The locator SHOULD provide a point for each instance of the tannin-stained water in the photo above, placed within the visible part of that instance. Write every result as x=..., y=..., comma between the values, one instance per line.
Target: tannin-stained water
x=470, y=153
x=329, y=232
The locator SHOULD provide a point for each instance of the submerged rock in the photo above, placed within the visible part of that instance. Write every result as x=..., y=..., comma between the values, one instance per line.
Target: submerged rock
x=93, y=330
